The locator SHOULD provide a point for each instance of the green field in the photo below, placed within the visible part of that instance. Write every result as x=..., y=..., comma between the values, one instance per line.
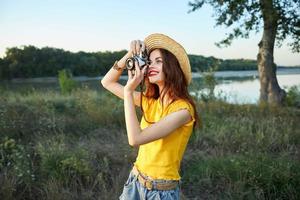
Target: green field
x=74, y=146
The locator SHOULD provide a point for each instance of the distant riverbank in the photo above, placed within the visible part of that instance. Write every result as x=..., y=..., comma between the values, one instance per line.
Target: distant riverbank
x=249, y=73
x=218, y=74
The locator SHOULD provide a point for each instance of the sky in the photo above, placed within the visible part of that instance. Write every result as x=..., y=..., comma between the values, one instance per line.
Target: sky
x=98, y=25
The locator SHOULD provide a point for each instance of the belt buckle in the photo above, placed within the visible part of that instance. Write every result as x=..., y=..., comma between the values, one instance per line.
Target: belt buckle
x=148, y=185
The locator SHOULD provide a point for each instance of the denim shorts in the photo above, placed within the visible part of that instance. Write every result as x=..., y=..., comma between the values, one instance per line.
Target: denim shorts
x=133, y=190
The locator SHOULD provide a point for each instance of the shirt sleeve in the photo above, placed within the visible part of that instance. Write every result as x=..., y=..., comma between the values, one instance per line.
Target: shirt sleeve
x=181, y=105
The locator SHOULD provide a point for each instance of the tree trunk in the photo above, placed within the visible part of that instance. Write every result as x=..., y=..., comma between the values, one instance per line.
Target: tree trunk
x=270, y=91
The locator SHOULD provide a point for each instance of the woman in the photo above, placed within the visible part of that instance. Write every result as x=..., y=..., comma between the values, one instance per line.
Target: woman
x=169, y=116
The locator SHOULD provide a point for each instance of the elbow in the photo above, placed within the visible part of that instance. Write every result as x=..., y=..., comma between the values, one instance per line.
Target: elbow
x=104, y=83
x=133, y=143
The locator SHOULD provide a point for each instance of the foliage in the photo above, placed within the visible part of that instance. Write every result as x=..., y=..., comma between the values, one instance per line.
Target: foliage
x=38, y=113
x=277, y=19
x=243, y=177
x=30, y=62
x=246, y=16
x=58, y=161
x=16, y=158
x=79, y=150
x=67, y=84
x=293, y=97
x=202, y=64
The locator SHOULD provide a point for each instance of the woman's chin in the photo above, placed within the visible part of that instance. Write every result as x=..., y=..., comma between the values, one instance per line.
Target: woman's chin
x=155, y=80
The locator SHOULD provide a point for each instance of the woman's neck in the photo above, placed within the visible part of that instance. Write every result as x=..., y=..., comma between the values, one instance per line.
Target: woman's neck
x=164, y=98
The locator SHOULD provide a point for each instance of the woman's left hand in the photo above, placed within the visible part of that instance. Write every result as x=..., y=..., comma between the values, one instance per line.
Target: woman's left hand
x=135, y=77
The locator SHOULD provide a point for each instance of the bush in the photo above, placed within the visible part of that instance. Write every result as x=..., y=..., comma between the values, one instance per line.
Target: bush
x=14, y=157
x=293, y=97
x=209, y=84
x=66, y=83
x=61, y=162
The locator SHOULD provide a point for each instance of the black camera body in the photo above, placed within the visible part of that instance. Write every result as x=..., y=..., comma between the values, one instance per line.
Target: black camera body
x=141, y=59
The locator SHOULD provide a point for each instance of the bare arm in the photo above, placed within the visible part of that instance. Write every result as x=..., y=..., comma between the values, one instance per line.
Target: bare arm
x=160, y=129
x=111, y=78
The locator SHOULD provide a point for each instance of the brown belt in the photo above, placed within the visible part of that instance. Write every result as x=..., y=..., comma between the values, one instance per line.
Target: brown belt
x=152, y=184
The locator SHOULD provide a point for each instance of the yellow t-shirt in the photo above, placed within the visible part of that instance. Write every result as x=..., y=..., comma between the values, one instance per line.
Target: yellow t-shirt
x=160, y=159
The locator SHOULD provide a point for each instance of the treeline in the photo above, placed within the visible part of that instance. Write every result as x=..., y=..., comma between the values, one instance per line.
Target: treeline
x=202, y=63
x=30, y=61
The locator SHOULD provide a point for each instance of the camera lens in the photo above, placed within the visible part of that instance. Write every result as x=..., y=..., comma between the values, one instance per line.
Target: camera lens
x=130, y=63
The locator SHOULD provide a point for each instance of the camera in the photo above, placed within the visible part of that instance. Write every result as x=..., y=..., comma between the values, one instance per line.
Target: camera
x=141, y=59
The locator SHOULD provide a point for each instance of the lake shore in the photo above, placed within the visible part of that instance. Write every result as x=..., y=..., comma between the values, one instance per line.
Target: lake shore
x=218, y=74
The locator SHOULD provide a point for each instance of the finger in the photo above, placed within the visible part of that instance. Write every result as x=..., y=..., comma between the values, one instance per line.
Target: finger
x=138, y=47
x=143, y=46
x=137, y=69
x=129, y=75
x=142, y=73
x=132, y=47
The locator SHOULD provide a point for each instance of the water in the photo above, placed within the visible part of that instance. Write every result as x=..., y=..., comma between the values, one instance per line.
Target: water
x=233, y=86
x=248, y=91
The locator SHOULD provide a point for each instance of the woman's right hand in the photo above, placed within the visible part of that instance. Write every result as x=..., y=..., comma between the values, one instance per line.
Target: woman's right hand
x=135, y=77
x=136, y=47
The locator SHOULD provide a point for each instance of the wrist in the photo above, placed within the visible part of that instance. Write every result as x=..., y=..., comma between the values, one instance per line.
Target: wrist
x=125, y=57
x=128, y=91
x=122, y=61
x=128, y=54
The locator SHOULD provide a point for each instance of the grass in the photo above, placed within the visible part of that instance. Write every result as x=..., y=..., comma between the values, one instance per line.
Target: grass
x=74, y=146
x=243, y=177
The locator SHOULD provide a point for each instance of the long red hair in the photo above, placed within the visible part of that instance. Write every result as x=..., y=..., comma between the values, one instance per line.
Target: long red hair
x=176, y=85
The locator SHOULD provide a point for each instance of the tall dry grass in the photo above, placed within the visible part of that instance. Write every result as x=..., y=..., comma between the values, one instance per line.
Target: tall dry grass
x=74, y=146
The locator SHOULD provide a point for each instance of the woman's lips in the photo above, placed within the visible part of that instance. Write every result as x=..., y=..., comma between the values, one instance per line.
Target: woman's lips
x=152, y=73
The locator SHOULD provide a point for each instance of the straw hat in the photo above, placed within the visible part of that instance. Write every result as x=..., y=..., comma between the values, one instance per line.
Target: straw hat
x=157, y=40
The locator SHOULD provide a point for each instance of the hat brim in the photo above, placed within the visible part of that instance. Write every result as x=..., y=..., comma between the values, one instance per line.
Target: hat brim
x=161, y=41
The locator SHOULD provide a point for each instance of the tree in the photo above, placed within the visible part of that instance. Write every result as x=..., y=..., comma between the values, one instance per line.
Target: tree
x=279, y=20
